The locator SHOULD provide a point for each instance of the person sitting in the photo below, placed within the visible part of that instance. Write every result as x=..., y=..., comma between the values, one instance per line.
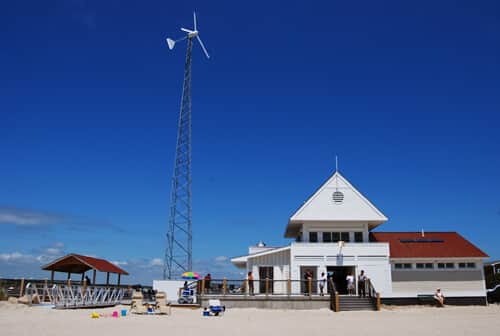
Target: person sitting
x=439, y=297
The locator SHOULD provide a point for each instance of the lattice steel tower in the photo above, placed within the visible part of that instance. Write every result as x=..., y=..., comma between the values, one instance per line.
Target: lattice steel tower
x=178, y=254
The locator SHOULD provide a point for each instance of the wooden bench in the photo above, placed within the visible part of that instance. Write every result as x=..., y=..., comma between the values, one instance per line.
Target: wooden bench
x=426, y=299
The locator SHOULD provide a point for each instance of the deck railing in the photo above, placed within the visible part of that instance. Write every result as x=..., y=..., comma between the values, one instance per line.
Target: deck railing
x=17, y=287
x=264, y=287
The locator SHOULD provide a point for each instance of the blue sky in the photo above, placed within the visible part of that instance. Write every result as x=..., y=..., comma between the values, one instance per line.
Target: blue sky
x=406, y=93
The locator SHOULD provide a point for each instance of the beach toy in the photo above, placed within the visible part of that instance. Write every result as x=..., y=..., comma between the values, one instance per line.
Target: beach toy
x=124, y=312
x=94, y=315
x=150, y=309
x=115, y=314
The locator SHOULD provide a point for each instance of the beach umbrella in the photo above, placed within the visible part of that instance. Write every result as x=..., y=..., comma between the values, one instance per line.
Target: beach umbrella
x=190, y=276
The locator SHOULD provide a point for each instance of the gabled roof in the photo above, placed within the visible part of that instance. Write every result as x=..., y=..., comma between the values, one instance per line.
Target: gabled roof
x=321, y=206
x=76, y=263
x=431, y=245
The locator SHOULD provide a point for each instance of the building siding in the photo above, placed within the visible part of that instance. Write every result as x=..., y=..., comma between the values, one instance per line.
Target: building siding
x=437, y=275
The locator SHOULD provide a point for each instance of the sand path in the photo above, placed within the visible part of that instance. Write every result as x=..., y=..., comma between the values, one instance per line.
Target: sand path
x=22, y=320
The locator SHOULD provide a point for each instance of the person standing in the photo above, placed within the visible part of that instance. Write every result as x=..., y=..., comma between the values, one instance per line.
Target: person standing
x=322, y=283
x=308, y=279
x=362, y=278
x=329, y=280
x=250, y=283
x=350, y=284
x=207, y=279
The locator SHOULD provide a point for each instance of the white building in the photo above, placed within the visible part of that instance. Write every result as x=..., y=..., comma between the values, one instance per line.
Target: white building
x=332, y=233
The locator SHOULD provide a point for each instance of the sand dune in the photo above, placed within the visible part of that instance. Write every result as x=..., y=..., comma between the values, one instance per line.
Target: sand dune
x=18, y=319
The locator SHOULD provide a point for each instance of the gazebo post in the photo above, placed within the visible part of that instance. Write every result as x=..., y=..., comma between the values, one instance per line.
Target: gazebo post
x=83, y=274
x=69, y=275
x=52, y=276
x=107, y=278
x=93, y=279
x=119, y=279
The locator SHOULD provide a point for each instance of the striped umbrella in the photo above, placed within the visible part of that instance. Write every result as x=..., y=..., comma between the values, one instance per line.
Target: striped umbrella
x=190, y=276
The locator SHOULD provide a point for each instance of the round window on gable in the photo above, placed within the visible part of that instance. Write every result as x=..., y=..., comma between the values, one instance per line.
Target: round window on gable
x=338, y=197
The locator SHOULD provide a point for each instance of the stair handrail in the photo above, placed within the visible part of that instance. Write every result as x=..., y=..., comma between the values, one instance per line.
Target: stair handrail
x=334, y=296
x=372, y=292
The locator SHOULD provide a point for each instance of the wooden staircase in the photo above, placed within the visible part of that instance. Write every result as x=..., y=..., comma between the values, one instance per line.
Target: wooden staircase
x=354, y=303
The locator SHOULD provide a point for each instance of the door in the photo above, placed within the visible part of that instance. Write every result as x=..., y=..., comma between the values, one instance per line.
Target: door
x=266, y=272
x=339, y=275
x=304, y=284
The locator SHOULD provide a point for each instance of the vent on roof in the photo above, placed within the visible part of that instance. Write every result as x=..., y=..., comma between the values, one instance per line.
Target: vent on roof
x=338, y=197
x=421, y=241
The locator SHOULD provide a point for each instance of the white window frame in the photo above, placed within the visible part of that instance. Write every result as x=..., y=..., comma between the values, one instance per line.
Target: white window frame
x=435, y=262
x=403, y=266
x=445, y=263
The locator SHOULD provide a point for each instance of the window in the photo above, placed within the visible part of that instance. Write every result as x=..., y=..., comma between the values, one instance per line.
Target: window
x=327, y=237
x=467, y=265
x=313, y=237
x=402, y=266
x=358, y=237
x=335, y=236
x=299, y=238
x=446, y=265
x=426, y=265
x=344, y=236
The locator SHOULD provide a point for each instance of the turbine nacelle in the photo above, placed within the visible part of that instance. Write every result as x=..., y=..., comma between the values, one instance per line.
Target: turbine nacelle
x=190, y=34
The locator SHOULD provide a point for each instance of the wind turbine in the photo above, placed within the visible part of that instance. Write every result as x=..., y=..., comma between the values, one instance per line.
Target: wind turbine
x=190, y=35
x=178, y=254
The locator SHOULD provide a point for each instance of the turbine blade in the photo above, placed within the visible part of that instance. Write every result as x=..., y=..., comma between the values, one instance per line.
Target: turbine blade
x=202, y=46
x=194, y=19
x=187, y=30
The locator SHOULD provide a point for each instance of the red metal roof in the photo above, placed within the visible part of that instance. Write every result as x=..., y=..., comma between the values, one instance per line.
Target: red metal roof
x=78, y=263
x=432, y=245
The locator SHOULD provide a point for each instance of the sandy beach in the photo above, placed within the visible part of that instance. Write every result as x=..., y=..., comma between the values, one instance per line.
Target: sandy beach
x=20, y=320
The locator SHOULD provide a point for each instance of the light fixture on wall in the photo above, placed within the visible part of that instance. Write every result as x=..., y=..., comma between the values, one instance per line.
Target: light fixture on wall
x=341, y=244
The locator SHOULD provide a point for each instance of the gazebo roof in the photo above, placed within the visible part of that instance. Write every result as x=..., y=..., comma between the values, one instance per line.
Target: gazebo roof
x=76, y=263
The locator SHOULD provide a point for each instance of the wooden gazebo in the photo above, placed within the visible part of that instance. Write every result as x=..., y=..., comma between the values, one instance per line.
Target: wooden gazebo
x=79, y=264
